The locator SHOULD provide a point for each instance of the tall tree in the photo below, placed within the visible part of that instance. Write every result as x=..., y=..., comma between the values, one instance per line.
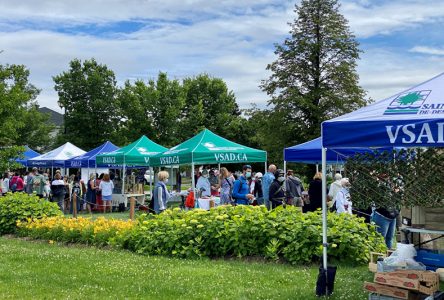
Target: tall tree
x=87, y=92
x=314, y=77
x=16, y=95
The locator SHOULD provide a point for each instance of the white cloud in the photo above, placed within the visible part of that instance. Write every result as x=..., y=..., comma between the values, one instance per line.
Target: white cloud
x=390, y=16
x=230, y=39
x=427, y=50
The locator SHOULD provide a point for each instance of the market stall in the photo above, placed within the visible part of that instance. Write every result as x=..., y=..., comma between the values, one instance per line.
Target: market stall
x=87, y=161
x=207, y=148
x=55, y=158
x=411, y=118
x=134, y=155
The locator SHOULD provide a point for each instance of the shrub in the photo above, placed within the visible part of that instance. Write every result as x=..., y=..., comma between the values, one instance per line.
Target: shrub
x=20, y=207
x=247, y=231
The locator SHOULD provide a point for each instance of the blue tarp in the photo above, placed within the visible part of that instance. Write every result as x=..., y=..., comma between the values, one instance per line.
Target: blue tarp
x=311, y=153
x=28, y=154
x=88, y=160
x=412, y=118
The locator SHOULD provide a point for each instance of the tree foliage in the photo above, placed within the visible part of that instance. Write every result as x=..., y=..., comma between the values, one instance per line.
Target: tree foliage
x=169, y=111
x=20, y=119
x=87, y=92
x=313, y=78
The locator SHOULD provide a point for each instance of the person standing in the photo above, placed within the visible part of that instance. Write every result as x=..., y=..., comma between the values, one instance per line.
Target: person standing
x=294, y=189
x=58, y=191
x=315, y=193
x=91, y=192
x=5, y=183
x=257, y=192
x=267, y=180
x=203, y=185
x=76, y=189
x=160, y=194
x=107, y=186
x=342, y=199
x=335, y=187
x=277, y=189
x=214, y=182
x=29, y=180
x=241, y=191
x=38, y=183
x=226, y=186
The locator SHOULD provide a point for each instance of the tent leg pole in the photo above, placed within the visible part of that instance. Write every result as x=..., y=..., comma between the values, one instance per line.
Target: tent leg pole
x=317, y=168
x=193, y=184
x=285, y=167
x=151, y=181
x=218, y=167
x=265, y=168
x=171, y=176
x=123, y=179
x=324, y=208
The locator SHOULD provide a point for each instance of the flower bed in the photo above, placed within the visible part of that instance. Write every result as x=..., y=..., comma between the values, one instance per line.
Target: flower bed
x=81, y=230
x=281, y=234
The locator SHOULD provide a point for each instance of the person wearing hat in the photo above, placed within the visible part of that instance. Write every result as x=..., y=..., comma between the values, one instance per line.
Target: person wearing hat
x=277, y=189
x=257, y=192
x=203, y=184
x=241, y=190
x=342, y=200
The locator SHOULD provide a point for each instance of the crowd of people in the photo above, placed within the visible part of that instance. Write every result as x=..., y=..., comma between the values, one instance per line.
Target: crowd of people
x=272, y=189
x=95, y=194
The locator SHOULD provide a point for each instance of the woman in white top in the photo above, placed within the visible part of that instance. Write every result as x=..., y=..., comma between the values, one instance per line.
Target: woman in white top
x=342, y=199
x=5, y=183
x=106, y=186
x=203, y=185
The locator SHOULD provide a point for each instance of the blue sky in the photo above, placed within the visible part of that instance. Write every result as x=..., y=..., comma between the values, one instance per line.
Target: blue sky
x=402, y=40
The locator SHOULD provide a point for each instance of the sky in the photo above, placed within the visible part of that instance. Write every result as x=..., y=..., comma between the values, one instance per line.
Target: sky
x=402, y=40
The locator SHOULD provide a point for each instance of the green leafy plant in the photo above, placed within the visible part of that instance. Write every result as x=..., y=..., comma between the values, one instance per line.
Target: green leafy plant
x=22, y=207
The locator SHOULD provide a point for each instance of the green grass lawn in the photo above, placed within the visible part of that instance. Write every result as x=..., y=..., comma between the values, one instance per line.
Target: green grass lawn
x=39, y=270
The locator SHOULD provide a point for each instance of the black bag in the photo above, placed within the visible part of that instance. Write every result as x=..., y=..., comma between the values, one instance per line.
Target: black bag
x=121, y=207
x=326, y=281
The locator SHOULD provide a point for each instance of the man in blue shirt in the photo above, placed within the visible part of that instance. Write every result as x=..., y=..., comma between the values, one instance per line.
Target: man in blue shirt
x=241, y=190
x=267, y=180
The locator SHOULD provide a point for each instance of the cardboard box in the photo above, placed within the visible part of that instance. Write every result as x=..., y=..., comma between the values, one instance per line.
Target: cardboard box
x=400, y=279
x=386, y=290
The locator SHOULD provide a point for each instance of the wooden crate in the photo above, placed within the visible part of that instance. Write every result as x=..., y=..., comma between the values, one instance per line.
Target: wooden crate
x=386, y=290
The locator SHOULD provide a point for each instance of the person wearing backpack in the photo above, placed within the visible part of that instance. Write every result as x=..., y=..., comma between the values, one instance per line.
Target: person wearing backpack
x=241, y=191
x=38, y=184
x=277, y=189
x=226, y=186
x=31, y=175
x=294, y=189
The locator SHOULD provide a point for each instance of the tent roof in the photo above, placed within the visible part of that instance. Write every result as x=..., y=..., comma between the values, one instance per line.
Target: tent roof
x=56, y=157
x=137, y=153
x=208, y=147
x=411, y=118
x=88, y=160
x=28, y=154
x=311, y=153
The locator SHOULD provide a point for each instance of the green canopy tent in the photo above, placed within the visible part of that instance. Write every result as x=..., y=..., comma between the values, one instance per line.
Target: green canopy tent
x=136, y=154
x=208, y=148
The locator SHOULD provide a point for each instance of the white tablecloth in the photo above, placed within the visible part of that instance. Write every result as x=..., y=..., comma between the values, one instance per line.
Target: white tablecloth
x=205, y=203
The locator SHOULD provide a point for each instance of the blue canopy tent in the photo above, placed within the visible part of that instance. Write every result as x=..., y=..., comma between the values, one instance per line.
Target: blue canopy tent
x=311, y=153
x=88, y=160
x=411, y=118
x=28, y=154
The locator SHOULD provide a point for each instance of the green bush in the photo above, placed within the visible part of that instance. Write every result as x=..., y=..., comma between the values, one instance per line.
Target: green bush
x=22, y=207
x=285, y=234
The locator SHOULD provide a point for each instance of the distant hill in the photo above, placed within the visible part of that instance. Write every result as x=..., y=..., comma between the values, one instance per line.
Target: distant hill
x=55, y=117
